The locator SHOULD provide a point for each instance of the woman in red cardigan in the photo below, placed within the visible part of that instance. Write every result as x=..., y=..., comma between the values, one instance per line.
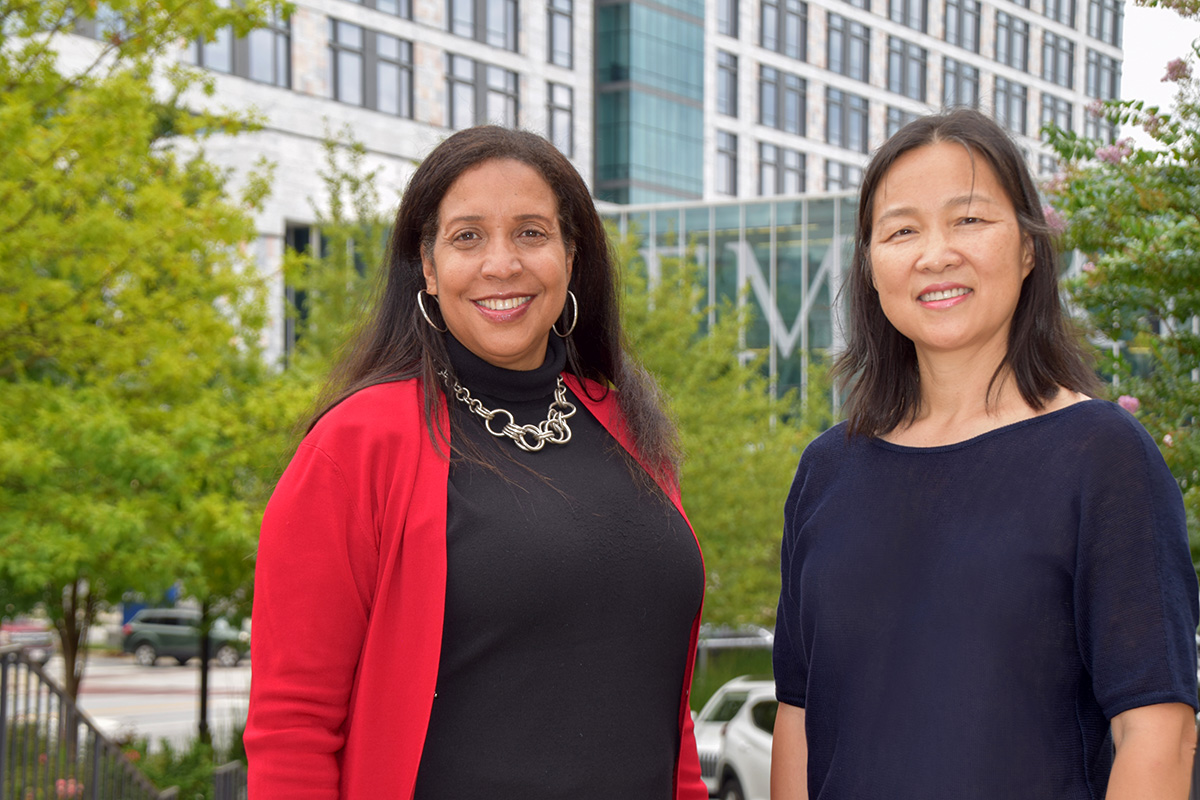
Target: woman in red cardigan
x=475, y=578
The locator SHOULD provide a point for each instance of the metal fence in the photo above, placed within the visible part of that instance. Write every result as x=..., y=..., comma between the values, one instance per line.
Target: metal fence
x=229, y=782
x=51, y=750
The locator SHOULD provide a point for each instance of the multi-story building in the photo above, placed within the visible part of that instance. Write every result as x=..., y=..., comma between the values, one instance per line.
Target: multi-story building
x=655, y=101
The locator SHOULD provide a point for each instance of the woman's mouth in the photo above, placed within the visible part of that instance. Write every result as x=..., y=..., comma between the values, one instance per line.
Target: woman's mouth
x=502, y=303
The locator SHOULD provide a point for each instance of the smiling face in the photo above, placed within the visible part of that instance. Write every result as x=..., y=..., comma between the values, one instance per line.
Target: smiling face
x=948, y=257
x=499, y=265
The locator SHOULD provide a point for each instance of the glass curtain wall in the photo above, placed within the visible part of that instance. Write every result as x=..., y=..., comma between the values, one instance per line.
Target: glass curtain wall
x=785, y=257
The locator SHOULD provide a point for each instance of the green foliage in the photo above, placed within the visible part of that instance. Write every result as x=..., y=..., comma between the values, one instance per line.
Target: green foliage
x=740, y=444
x=335, y=281
x=1133, y=212
x=190, y=769
x=135, y=409
x=722, y=666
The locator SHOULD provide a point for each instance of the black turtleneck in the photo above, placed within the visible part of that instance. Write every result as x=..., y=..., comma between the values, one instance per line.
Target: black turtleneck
x=570, y=595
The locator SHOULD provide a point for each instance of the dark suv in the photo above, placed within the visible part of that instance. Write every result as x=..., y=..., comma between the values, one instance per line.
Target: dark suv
x=175, y=633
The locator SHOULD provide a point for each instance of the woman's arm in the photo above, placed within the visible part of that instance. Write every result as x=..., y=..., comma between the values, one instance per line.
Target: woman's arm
x=1155, y=748
x=789, y=755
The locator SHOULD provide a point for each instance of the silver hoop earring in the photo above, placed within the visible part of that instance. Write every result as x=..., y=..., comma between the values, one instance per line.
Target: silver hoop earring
x=424, y=313
x=574, y=322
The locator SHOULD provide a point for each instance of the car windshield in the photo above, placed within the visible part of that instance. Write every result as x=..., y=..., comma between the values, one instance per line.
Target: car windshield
x=727, y=707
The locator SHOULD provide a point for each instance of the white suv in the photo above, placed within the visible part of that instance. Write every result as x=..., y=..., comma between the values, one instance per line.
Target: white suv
x=743, y=770
x=717, y=714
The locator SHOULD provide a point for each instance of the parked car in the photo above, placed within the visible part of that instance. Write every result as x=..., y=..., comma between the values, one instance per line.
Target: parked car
x=743, y=770
x=710, y=723
x=175, y=633
x=35, y=636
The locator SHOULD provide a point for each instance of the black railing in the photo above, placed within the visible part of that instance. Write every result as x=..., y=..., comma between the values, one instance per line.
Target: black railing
x=229, y=782
x=51, y=750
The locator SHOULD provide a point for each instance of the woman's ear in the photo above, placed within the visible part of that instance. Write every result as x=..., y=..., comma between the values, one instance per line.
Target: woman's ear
x=1027, y=256
x=429, y=271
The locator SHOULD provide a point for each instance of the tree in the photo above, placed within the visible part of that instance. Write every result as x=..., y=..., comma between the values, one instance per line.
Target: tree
x=741, y=446
x=1132, y=211
x=129, y=318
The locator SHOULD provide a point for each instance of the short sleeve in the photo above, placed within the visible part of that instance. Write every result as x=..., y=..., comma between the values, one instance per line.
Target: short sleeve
x=789, y=657
x=1135, y=587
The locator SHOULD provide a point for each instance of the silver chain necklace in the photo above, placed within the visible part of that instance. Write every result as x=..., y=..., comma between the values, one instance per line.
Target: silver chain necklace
x=530, y=438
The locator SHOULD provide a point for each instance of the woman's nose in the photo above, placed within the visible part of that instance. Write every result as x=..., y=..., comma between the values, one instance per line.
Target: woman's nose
x=939, y=253
x=501, y=259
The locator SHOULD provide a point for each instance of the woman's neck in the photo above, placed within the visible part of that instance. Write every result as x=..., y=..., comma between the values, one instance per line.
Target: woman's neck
x=963, y=396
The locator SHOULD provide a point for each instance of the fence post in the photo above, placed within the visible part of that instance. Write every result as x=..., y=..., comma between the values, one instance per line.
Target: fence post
x=5, y=662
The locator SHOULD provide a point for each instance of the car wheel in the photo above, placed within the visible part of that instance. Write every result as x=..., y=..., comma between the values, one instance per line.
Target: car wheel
x=182, y=660
x=145, y=654
x=732, y=790
x=228, y=656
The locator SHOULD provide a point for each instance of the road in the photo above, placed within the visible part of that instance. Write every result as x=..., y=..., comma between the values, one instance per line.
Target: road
x=161, y=702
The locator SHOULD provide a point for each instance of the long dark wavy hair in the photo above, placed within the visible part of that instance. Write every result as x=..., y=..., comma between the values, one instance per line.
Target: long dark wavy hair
x=396, y=343
x=1045, y=351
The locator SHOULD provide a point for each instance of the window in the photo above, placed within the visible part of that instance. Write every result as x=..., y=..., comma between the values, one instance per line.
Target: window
x=780, y=170
x=371, y=69
x=269, y=53
x=1061, y=11
x=1012, y=41
x=347, y=46
x=560, y=114
x=1099, y=128
x=849, y=48
x=1103, y=76
x=865, y=5
x=906, y=68
x=561, y=47
x=1011, y=104
x=841, y=177
x=962, y=24
x=846, y=120
x=400, y=8
x=480, y=93
x=1058, y=60
x=1047, y=165
x=763, y=715
x=1055, y=111
x=960, y=84
x=727, y=17
x=897, y=118
x=785, y=27
x=393, y=89
x=727, y=77
x=1104, y=20
x=726, y=163
x=911, y=13
x=782, y=98
x=493, y=22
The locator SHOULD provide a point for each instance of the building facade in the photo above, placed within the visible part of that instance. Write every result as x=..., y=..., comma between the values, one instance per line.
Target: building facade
x=668, y=102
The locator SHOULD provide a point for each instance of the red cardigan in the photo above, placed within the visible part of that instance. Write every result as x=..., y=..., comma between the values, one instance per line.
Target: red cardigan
x=348, y=600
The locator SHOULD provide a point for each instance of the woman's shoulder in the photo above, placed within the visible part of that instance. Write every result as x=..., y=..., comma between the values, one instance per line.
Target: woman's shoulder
x=392, y=409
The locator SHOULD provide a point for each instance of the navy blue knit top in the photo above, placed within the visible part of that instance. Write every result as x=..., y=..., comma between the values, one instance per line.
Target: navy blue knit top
x=962, y=621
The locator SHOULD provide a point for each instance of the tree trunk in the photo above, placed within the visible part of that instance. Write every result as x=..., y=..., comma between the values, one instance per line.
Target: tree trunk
x=205, y=626
x=76, y=607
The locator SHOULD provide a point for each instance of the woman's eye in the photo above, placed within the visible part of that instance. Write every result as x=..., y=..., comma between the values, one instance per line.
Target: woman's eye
x=532, y=233
x=466, y=236
x=970, y=220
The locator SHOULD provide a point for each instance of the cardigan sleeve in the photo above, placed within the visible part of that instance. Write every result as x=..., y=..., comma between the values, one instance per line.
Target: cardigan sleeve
x=314, y=581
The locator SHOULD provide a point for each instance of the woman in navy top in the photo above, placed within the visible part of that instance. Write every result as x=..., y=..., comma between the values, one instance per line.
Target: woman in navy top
x=987, y=589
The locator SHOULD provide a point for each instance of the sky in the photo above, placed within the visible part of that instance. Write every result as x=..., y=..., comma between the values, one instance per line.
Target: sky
x=1153, y=36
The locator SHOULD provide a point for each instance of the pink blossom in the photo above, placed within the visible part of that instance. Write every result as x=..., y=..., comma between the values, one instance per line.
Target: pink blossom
x=1152, y=124
x=1096, y=108
x=1054, y=220
x=1088, y=266
x=1169, y=440
x=1129, y=403
x=1055, y=184
x=1115, y=153
x=1177, y=70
